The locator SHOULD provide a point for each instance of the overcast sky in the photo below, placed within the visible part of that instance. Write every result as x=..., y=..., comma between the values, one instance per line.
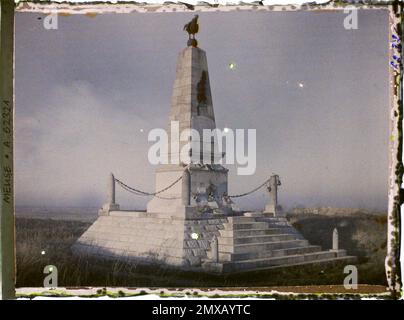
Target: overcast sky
x=85, y=91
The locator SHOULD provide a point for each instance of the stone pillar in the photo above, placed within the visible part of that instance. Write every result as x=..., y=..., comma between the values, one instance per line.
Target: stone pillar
x=111, y=189
x=110, y=205
x=186, y=187
x=7, y=238
x=274, y=182
x=272, y=207
x=214, y=246
x=335, y=239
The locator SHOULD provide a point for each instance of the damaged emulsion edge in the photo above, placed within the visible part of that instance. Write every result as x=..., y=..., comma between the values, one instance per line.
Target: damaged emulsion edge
x=396, y=168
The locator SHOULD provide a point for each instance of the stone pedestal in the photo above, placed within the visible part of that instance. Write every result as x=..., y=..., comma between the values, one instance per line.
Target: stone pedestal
x=203, y=194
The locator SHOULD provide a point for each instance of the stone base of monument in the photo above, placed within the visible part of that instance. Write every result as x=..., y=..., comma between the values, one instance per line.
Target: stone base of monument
x=150, y=238
x=252, y=241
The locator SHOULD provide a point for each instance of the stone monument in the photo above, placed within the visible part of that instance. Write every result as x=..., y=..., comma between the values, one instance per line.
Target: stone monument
x=191, y=222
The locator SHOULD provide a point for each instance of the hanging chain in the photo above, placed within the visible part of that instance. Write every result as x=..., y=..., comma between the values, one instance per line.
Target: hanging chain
x=143, y=193
x=252, y=191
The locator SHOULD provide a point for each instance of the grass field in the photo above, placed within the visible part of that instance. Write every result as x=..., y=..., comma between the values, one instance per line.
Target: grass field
x=42, y=242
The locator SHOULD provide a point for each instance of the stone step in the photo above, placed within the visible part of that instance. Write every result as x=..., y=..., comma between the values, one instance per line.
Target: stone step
x=256, y=247
x=253, y=214
x=286, y=229
x=240, y=219
x=278, y=261
x=219, y=267
x=255, y=239
x=273, y=224
x=223, y=256
x=251, y=232
x=245, y=225
x=272, y=219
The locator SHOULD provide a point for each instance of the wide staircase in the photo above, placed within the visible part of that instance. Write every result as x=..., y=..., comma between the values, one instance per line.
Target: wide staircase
x=255, y=241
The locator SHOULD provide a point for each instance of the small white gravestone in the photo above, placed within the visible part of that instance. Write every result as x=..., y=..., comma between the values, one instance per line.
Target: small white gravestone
x=335, y=239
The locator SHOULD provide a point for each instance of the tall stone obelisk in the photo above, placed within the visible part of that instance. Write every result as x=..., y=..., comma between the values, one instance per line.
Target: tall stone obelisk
x=191, y=108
